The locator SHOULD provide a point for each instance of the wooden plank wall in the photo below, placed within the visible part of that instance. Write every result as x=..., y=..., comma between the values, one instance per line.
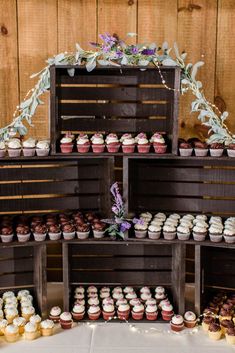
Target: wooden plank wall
x=32, y=30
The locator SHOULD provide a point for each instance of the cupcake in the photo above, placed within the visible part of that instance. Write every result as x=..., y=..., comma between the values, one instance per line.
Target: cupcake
x=151, y=312
x=6, y=234
x=160, y=216
x=200, y=149
x=92, y=289
x=112, y=143
x=117, y=295
x=160, y=290
x=94, y=312
x=93, y=300
x=145, y=296
x=66, y=320
x=141, y=230
x=123, y=301
x=2, y=149
x=185, y=149
x=137, y=311
x=14, y=148
x=167, y=312
x=83, y=143
x=29, y=147
x=11, y=314
x=123, y=311
x=230, y=335
x=11, y=333
x=190, y=319
x=231, y=150
x=229, y=235
x=78, y=312
x=177, y=323
x=143, y=145
x=42, y=148
x=128, y=143
x=183, y=232
x=36, y=320
x=207, y=320
x=23, y=233
x=146, y=217
x=30, y=331
x=104, y=292
x=216, y=233
x=83, y=231
x=216, y=149
x=144, y=289
x=40, y=232
x=163, y=302
x=66, y=144
x=108, y=311
x=225, y=325
x=27, y=312
x=47, y=326
x=54, y=232
x=169, y=232
x=214, y=331
x=128, y=289
x=98, y=229
x=20, y=322
x=199, y=233
x=80, y=290
x=97, y=143
x=68, y=231
x=225, y=314
x=3, y=325
x=159, y=143
x=154, y=231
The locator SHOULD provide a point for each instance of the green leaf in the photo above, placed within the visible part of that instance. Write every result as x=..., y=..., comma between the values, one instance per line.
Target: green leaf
x=195, y=69
x=169, y=62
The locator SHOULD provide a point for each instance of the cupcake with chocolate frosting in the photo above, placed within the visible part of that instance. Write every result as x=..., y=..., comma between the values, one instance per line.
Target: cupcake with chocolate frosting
x=185, y=149
x=68, y=230
x=230, y=335
x=23, y=233
x=200, y=149
x=54, y=232
x=214, y=331
x=98, y=229
x=40, y=232
x=6, y=234
x=82, y=231
x=216, y=149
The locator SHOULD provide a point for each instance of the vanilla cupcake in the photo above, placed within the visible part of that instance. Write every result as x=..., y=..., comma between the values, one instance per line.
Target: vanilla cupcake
x=36, y=320
x=2, y=149
x=3, y=325
x=27, y=312
x=11, y=314
x=183, y=232
x=46, y=327
x=29, y=147
x=14, y=148
x=20, y=322
x=141, y=230
x=216, y=233
x=22, y=293
x=30, y=331
x=160, y=215
x=199, y=233
x=169, y=232
x=146, y=216
x=42, y=148
x=229, y=235
x=8, y=294
x=11, y=333
x=154, y=231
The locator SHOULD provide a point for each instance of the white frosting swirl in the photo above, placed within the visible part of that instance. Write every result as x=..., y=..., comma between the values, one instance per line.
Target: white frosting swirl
x=27, y=310
x=111, y=138
x=82, y=139
x=30, y=327
x=167, y=307
x=43, y=145
x=139, y=226
x=160, y=215
x=198, y=229
x=11, y=329
x=35, y=319
x=78, y=308
x=177, y=320
x=157, y=138
x=138, y=308
x=215, y=229
x=55, y=311
x=169, y=228
x=183, y=229
x=66, y=316
x=3, y=323
x=123, y=307
x=128, y=141
x=14, y=144
x=19, y=321
x=93, y=309
x=109, y=308
x=66, y=139
x=189, y=316
x=97, y=139
x=29, y=143
x=154, y=228
x=151, y=308
x=47, y=324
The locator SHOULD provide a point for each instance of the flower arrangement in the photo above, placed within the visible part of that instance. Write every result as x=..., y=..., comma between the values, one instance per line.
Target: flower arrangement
x=115, y=52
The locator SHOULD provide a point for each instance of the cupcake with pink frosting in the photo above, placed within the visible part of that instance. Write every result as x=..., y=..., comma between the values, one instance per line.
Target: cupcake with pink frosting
x=128, y=143
x=83, y=143
x=159, y=143
x=143, y=144
x=112, y=143
x=98, y=144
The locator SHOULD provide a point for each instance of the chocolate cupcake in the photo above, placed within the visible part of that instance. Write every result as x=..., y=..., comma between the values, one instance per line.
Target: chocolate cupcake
x=231, y=150
x=207, y=320
x=54, y=232
x=23, y=233
x=214, y=331
x=98, y=229
x=6, y=234
x=40, y=232
x=200, y=149
x=216, y=149
x=82, y=231
x=185, y=149
x=230, y=335
x=68, y=231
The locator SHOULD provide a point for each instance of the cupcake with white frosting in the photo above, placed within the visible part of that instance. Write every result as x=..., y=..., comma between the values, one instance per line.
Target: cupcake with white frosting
x=108, y=311
x=11, y=314
x=141, y=230
x=66, y=320
x=14, y=147
x=143, y=144
x=183, y=232
x=229, y=235
x=123, y=311
x=151, y=312
x=36, y=320
x=137, y=311
x=216, y=232
x=11, y=333
x=42, y=148
x=94, y=312
x=199, y=233
x=177, y=323
x=128, y=143
x=78, y=312
x=2, y=149
x=159, y=143
x=169, y=231
x=46, y=327
x=112, y=143
x=98, y=144
x=154, y=231
x=20, y=322
x=27, y=312
x=146, y=216
x=190, y=319
x=83, y=143
x=29, y=147
x=3, y=325
x=30, y=331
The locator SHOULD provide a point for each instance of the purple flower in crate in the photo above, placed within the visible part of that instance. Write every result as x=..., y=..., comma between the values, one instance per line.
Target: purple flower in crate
x=106, y=48
x=108, y=39
x=138, y=221
x=125, y=226
x=134, y=50
x=148, y=51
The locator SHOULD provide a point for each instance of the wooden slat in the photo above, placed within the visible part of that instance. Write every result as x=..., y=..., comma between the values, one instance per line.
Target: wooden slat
x=37, y=41
x=17, y=265
x=21, y=279
x=9, y=81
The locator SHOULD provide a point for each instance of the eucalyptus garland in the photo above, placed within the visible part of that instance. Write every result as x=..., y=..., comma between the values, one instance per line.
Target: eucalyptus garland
x=115, y=52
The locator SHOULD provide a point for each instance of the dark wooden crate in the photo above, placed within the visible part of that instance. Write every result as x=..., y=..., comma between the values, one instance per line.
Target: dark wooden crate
x=24, y=266
x=124, y=263
x=114, y=100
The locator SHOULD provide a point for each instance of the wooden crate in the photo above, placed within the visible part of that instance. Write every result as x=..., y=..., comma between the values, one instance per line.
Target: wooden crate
x=214, y=271
x=124, y=263
x=24, y=266
x=114, y=100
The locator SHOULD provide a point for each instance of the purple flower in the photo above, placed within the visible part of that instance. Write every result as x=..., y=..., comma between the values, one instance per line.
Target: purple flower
x=138, y=221
x=125, y=226
x=114, y=189
x=106, y=48
x=134, y=50
x=115, y=210
x=148, y=51
x=108, y=39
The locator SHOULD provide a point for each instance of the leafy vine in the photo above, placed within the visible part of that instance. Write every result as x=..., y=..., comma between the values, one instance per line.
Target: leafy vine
x=115, y=52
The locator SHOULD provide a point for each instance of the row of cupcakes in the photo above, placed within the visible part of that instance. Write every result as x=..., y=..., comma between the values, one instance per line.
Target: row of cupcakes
x=98, y=142
x=63, y=225
x=18, y=317
x=201, y=149
x=182, y=227
x=219, y=317
x=14, y=147
x=121, y=302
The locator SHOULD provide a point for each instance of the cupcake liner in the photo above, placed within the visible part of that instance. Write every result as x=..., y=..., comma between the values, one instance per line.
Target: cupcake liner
x=167, y=316
x=2, y=153
x=94, y=316
x=177, y=328
x=199, y=237
x=143, y=148
x=29, y=152
x=7, y=238
x=128, y=148
x=66, y=148
x=231, y=153
x=140, y=234
x=112, y=148
x=169, y=235
x=82, y=235
x=98, y=234
x=154, y=235
x=11, y=337
x=182, y=236
x=190, y=324
x=229, y=239
x=23, y=237
x=69, y=236
x=216, y=238
x=107, y=316
x=42, y=152
x=66, y=325
x=98, y=148
x=14, y=152
x=123, y=315
x=137, y=316
x=30, y=336
x=83, y=148
x=201, y=152
x=78, y=316
x=216, y=152
x=159, y=149
x=45, y=332
x=185, y=152
x=54, y=236
x=230, y=339
x=215, y=336
x=39, y=237
x=151, y=316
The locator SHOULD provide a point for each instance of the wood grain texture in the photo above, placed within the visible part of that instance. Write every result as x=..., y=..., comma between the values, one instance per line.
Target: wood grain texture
x=225, y=59
x=9, y=93
x=76, y=24
x=37, y=32
x=197, y=36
